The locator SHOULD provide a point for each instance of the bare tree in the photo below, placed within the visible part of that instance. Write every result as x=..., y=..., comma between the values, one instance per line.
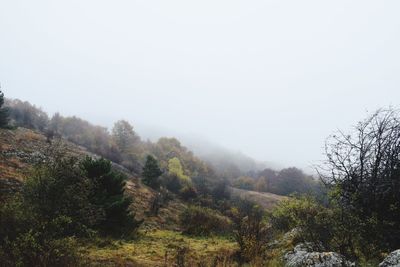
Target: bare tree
x=364, y=169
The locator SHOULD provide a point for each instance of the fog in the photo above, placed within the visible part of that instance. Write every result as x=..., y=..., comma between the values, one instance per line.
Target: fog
x=271, y=79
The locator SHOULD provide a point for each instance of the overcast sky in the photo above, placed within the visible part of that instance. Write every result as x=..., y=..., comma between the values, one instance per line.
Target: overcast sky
x=269, y=78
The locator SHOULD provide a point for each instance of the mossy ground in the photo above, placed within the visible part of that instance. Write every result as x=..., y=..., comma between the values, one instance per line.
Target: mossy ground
x=161, y=248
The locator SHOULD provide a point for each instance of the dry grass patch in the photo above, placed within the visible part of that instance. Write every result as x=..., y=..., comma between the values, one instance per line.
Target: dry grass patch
x=163, y=248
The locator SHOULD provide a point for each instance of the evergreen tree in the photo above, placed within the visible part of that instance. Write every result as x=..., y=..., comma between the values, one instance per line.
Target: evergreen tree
x=151, y=172
x=108, y=193
x=3, y=112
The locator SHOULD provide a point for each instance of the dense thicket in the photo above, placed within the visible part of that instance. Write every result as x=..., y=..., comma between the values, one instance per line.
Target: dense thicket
x=63, y=199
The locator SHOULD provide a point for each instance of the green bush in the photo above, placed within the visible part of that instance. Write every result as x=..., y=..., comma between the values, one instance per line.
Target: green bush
x=201, y=221
x=28, y=240
x=63, y=199
x=311, y=218
x=327, y=227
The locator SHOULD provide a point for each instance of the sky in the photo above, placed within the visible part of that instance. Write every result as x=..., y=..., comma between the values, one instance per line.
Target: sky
x=269, y=78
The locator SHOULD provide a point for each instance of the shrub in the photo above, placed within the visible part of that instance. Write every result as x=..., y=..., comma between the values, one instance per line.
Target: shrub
x=172, y=183
x=201, y=221
x=59, y=188
x=306, y=214
x=328, y=228
x=28, y=240
x=250, y=231
x=188, y=192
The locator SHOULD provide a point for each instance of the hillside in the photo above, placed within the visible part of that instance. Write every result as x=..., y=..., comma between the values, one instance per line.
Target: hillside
x=22, y=148
x=265, y=200
x=160, y=236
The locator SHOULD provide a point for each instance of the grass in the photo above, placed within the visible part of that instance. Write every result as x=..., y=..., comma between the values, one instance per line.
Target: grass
x=161, y=248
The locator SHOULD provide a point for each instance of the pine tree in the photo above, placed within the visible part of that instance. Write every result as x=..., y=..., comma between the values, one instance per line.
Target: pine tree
x=151, y=172
x=3, y=112
x=108, y=193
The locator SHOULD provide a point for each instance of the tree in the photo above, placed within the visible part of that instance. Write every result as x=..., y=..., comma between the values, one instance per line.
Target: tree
x=363, y=170
x=108, y=193
x=151, y=172
x=175, y=168
x=3, y=112
x=124, y=136
x=55, y=123
x=244, y=182
x=24, y=114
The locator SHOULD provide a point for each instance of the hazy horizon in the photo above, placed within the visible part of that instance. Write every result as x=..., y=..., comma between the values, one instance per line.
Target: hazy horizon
x=271, y=79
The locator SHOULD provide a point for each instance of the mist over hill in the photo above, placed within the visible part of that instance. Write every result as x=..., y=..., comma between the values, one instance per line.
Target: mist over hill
x=216, y=155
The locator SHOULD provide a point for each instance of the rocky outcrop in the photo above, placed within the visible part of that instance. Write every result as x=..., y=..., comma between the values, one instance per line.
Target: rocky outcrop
x=393, y=260
x=303, y=255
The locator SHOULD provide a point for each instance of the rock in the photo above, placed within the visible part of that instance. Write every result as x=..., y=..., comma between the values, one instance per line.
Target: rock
x=393, y=260
x=303, y=255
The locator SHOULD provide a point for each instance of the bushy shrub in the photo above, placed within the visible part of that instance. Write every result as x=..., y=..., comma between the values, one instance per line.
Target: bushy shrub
x=29, y=240
x=64, y=198
x=251, y=231
x=172, y=183
x=327, y=227
x=305, y=214
x=60, y=188
x=188, y=192
x=201, y=221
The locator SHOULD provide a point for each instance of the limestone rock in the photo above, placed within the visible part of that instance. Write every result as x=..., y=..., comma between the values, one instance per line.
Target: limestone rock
x=303, y=255
x=393, y=260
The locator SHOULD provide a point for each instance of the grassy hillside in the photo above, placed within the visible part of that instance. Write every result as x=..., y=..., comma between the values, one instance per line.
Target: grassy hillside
x=161, y=248
x=160, y=240
x=265, y=200
x=21, y=149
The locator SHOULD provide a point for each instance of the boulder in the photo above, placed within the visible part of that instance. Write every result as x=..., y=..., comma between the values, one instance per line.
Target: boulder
x=303, y=255
x=393, y=260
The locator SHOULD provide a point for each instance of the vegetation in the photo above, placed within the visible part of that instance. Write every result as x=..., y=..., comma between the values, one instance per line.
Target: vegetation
x=151, y=172
x=166, y=248
x=107, y=188
x=69, y=206
x=3, y=112
x=362, y=170
x=63, y=199
x=361, y=173
x=284, y=182
x=250, y=232
x=211, y=222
